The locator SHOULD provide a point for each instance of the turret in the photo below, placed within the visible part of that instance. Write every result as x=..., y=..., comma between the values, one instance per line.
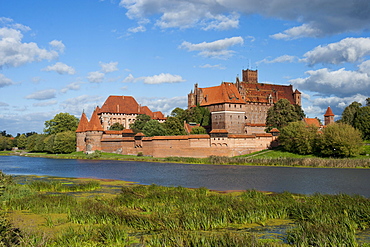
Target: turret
x=329, y=116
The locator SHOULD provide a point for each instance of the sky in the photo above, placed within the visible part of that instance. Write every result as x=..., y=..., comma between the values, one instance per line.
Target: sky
x=69, y=56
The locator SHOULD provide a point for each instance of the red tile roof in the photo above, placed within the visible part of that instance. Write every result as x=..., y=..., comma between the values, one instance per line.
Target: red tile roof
x=329, y=112
x=82, y=125
x=312, y=121
x=260, y=92
x=225, y=93
x=94, y=124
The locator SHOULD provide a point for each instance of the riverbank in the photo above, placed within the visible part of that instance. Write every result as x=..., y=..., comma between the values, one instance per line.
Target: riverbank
x=275, y=157
x=50, y=211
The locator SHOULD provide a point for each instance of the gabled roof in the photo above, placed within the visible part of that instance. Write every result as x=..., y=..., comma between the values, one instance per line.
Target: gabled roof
x=120, y=104
x=312, y=121
x=94, y=124
x=82, y=125
x=225, y=93
x=329, y=112
x=260, y=92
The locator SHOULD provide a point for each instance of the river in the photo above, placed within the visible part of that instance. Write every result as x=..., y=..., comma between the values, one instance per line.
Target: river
x=215, y=177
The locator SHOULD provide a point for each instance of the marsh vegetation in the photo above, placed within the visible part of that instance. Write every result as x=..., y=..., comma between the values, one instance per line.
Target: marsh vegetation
x=109, y=213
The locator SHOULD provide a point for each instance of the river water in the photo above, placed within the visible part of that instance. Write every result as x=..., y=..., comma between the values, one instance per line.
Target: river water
x=216, y=177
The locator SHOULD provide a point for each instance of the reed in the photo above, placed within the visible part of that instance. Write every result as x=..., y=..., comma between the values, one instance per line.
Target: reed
x=57, y=186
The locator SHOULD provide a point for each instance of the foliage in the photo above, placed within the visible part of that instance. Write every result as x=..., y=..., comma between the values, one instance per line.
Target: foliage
x=339, y=140
x=174, y=126
x=60, y=123
x=116, y=126
x=179, y=113
x=64, y=142
x=282, y=113
x=198, y=114
x=349, y=113
x=6, y=143
x=154, y=128
x=296, y=137
x=139, y=123
x=362, y=121
x=21, y=141
x=198, y=130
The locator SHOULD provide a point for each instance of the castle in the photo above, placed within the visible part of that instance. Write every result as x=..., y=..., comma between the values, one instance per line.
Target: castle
x=238, y=114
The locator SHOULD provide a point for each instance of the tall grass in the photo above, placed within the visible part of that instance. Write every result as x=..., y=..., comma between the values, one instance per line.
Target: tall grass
x=56, y=186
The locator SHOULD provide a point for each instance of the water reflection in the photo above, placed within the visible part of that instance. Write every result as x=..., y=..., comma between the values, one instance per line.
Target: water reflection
x=217, y=177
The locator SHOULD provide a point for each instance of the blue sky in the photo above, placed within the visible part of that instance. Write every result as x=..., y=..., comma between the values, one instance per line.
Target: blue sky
x=69, y=56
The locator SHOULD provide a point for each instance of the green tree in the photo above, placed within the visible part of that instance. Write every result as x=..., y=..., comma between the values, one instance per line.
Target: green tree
x=6, y=143
x=348, y=115
x=49, y=143
x=299, y=138
x=139, y=123
x=339, y=140
x=362, y=121
x=198, y=130
x=65, y=142
x=22, y=141
x=39, y=143
x=60, y=123
x=174, y=126
x=116, y=126
x=179, y=113
x=154, y=128
x=282, y=113
x=198, y=114
x=368, y=102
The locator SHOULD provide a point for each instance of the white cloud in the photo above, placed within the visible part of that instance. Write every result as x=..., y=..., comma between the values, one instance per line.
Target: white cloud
x=42, y=94
x=61, y=69
x=96, y=77
x=46, y=103
x=281, y=59
x=14, y=53
x=165, y=105
x=72, y=86
x=3, y=104
x=155, y=79
x=108, y=67
x=338, y=82
x=209, y=66
x=58, y=44
x=4, y=81
x=138, y=29
x=347, y=50
x=316, y=18
x=82, y=103
x=215, y=49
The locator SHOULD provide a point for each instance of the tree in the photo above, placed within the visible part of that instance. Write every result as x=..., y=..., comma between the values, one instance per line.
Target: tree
x=198, y=130
x=368, y=102
x=65, y=142
x=174, y=126
x=339, y=140
x=282, y=113
x=49, y=144
x=6, y=143
x=198, y=114
x=154, y=128
x=349, y=113
x=362, y=121
x=116, y=126
x=22, y=141
x=299, y=138
x=179, y=113
x=139, y=123
x=61, y=122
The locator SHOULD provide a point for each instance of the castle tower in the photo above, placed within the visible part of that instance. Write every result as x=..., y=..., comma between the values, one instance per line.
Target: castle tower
x=250, y=76
x=94, y=133
x=297, y=97
x=81, y=133
x=329, y=116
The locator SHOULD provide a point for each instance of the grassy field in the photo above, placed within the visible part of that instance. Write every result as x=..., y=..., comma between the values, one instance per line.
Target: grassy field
x=44, y=211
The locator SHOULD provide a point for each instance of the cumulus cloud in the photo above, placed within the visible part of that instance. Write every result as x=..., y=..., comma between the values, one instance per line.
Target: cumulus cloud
x=4, y=81
x=108, y=67
x=281, y=59
x=215, y=49
x=347, y=50
x=61, y=69
x=82, y=103
x=96, y=77
x=155, y=79
x=3, y=104
x=316, y=18
x=72, y=86
x=14, y=53
x=165, y=105
x=335, y=82
x=42, y=94
x=58, y=44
